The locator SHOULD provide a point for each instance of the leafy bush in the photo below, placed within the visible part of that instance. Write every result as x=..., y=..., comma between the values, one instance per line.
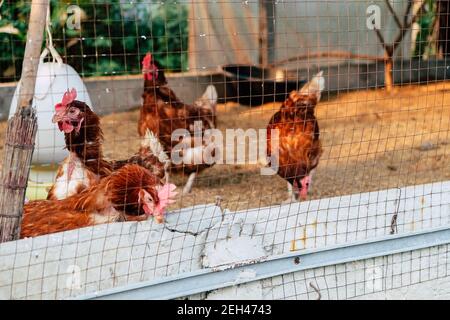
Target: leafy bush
x=424, y=45
x=113, y=38
x=12, y=43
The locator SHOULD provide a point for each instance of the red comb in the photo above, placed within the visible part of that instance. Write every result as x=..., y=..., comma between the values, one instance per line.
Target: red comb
x=166, y=195
x=67, y=99
x=147, y=60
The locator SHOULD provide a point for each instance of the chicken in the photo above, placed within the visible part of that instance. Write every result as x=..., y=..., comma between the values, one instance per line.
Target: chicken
x=128, y=194
x=296, y=153
x=85, y=164
x=163, y=113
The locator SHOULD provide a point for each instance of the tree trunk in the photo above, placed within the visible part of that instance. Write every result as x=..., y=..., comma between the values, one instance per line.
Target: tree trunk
x=388, y=75
x=21, y=131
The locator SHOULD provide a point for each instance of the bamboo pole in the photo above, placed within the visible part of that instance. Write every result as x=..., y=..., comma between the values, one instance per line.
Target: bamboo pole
x=21, y=131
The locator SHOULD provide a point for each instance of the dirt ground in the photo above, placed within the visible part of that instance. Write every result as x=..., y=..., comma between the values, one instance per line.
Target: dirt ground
x=371, y=140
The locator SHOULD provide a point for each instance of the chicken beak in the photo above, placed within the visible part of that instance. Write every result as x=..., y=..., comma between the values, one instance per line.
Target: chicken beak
x=304, y=191
x=159, y=218
x=146, y=69
x=57, y=117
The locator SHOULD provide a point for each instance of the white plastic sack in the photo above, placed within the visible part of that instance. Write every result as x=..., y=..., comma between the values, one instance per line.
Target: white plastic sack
x=53, y=79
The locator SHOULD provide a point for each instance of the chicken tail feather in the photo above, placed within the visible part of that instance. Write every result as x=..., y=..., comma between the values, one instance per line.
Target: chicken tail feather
x=210, y=94
x=152, y=142
x=208, y=99
x=315, y=86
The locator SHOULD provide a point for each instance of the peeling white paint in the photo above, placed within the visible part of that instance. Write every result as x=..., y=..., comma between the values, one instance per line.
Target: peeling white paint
x=233, y=251
x=203, y=236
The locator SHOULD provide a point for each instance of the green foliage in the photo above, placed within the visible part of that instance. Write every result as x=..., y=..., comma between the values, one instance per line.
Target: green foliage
x=113, y=38
x=425, y=21
x=12, y=46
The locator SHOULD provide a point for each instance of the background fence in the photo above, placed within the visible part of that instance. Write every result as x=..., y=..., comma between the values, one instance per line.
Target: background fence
x=376, y=224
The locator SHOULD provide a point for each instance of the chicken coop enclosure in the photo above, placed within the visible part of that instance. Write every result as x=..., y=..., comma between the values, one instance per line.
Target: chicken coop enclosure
x=309, y=143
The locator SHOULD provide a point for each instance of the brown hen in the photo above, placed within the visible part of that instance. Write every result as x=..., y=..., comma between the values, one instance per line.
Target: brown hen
x=128, y=194
x=86, y=164
x=163, y=113
x=296, y=152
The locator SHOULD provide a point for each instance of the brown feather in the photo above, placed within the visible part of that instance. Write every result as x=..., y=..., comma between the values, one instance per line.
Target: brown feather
x=162, y=113
x=298, y=129
x=86, y=145
x=114, y=198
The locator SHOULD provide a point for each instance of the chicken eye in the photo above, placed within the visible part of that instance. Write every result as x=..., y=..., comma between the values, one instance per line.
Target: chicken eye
x=148, y=198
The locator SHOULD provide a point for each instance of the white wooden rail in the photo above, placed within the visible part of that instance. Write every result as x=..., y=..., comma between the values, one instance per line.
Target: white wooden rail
x=126, y=260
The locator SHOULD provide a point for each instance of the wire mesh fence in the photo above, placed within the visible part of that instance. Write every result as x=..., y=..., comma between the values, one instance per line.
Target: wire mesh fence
x=209, y=80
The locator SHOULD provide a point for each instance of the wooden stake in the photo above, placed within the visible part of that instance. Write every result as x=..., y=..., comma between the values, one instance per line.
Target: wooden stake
x=263, y=34
x=21, y=131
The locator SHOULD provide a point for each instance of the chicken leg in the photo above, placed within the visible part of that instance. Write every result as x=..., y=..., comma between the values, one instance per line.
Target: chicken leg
x=292, y=194
x=311, y=174
x=190, y=182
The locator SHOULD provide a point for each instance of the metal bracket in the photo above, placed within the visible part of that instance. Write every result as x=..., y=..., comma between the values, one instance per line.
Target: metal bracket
x=203, y=280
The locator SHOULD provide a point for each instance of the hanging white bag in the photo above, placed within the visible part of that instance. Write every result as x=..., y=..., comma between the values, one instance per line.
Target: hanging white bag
x=53, y=80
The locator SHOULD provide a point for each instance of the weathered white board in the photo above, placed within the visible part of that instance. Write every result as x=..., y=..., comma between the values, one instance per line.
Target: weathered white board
x=89, y=260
